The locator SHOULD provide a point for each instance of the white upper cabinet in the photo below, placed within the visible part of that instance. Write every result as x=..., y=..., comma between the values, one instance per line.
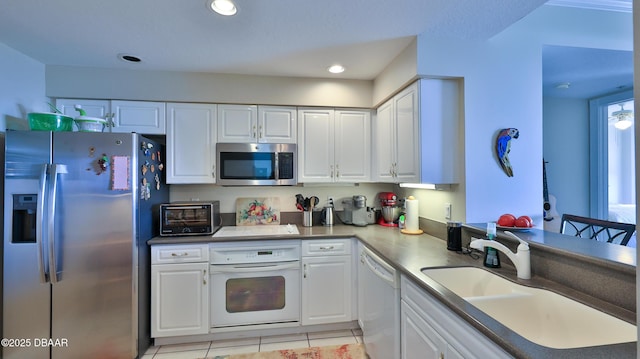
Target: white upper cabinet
x=397, y=138
x=93, y=108
x=237, y=123
x=315, y=145
x=124, y=116
x=352, y=145
x=416, y=137
x=277, y=124
x=138, y=116
x=256, y=124
x=334, y=145
x=191, y=143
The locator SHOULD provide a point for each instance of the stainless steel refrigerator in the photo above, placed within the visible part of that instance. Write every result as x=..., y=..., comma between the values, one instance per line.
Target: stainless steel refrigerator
x=78, y=210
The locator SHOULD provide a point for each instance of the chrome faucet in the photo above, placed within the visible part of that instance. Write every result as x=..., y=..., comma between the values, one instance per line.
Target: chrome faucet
x=521, y=259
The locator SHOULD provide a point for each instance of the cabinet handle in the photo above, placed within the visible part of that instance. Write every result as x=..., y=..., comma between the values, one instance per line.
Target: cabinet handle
x=304, y=275
x=326, y=248
x=260, y=134
x=204, y=277
x=441, y=355
x=337, y=171
x=254, y=131
x=213, y=171
x=179, y=254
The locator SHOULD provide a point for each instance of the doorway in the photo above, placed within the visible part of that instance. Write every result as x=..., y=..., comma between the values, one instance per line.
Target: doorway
x=612, y=164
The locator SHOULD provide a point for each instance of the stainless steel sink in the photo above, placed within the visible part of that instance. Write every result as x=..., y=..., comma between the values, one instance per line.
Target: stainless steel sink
x=539, y=315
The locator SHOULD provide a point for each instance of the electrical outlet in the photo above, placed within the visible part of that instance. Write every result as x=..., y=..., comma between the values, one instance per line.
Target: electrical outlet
x=330, y=200
x=447, y=211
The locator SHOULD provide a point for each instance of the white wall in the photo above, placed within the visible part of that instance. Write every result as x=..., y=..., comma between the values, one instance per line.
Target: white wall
x=97, y=83
x=22, y=89
x=566, y=149
x=397, y=75
x=503, y=88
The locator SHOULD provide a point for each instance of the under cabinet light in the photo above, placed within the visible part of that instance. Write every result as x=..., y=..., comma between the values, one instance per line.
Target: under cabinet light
x=438, y=187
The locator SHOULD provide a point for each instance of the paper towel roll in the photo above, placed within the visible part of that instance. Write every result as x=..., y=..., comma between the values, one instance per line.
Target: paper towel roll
x=411, y=216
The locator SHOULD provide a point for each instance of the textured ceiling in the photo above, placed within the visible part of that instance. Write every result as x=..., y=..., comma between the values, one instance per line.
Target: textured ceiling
x=275, y=37
x=589, y=72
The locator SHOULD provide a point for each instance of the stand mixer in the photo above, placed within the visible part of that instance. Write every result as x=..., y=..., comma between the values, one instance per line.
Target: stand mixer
x=390, y=210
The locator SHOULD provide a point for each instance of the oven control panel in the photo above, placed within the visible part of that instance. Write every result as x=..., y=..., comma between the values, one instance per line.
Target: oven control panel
x=255, y=252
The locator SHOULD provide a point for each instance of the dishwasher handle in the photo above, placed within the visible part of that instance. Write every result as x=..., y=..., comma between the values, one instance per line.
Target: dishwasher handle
x=376, y=268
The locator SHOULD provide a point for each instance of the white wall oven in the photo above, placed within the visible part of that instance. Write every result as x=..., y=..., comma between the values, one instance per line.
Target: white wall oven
x=255, y=283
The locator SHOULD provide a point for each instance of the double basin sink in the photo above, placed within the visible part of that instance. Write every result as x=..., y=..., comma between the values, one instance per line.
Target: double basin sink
x=540, y=316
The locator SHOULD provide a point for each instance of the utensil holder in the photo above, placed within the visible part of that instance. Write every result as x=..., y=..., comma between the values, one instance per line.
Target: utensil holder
x=307, y=218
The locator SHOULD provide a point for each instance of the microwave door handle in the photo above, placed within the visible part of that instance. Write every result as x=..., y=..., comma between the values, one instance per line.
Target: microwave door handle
x=56, y=169
x=42, y=188
x=276, y=164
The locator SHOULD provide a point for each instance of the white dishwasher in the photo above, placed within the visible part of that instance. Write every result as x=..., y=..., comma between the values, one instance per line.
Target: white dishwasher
x=379, y=306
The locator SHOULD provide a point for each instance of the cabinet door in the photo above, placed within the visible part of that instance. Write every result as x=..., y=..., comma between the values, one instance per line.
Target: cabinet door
x=384, y=143
x=407, y=132
x=179, y=299
x=326, y=289
x=418, y=339
x=191, y=134
x=277, y=124
x=352, y=146
x=138, y=116
x=237, y=123
x=315, y=145
x=93, y=108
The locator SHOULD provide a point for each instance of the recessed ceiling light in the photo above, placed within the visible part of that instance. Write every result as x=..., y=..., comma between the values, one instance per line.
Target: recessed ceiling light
x=129, y=58
x=222, y=7
x=336, y=69
x=563, y=85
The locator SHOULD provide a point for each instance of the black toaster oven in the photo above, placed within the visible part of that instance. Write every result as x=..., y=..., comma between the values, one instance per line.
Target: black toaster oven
x=189, y=218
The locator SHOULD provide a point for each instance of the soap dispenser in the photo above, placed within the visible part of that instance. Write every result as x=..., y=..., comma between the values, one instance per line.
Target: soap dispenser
x=491, y=257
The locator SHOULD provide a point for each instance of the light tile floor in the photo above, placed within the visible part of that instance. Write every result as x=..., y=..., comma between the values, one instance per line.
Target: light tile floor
x=253, y=345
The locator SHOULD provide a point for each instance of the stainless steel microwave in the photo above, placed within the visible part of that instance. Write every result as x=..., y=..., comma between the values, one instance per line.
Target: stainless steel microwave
x=189, y=218
x=256, y=164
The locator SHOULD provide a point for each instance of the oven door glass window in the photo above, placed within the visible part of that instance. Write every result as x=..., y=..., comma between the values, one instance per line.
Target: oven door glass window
x=255, y=294
x=247, y=165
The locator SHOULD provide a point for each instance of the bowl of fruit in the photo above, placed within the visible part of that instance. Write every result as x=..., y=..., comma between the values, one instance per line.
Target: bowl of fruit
x=510, y=222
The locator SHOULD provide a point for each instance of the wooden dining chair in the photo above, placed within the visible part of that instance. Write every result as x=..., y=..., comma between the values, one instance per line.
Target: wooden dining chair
x=597, y=229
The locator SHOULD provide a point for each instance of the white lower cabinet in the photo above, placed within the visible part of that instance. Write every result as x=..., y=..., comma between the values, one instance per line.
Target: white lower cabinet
x=430, y=330
x=179, y=290
x=327, y=284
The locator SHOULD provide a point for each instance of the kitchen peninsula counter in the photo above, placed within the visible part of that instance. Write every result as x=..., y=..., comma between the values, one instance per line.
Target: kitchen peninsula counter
x=411, y=253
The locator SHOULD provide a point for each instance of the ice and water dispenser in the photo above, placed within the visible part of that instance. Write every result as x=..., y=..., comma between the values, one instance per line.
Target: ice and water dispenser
x=24, y=218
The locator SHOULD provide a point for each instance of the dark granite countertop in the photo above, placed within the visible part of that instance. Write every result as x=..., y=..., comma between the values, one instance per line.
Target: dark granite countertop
x=411, y=253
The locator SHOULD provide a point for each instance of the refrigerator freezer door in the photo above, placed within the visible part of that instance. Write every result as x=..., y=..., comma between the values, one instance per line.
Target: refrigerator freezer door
x=26, y=294
x=93, y=300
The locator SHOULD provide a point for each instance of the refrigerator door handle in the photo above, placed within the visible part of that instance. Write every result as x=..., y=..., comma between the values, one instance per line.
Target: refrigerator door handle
x=42, y=269
x=56, y=169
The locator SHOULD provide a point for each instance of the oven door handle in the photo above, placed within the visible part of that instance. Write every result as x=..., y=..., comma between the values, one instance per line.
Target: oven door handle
x=244, y=268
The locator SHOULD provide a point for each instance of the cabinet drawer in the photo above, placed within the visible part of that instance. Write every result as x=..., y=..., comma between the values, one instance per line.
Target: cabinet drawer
x=179, y=253
x=326, y=247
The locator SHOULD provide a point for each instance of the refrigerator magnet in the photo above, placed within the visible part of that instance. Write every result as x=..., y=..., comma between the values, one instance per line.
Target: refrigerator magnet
x=120, y=173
